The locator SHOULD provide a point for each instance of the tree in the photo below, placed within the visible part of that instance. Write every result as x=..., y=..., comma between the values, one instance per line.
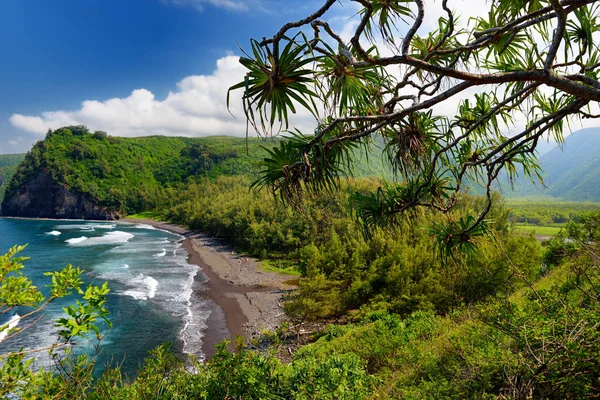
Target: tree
x=17, y=292
x=532, y=65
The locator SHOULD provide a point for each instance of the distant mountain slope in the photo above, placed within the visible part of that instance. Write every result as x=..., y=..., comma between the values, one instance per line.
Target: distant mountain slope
x=571, y=173
x=8, y=166
x=74, y=173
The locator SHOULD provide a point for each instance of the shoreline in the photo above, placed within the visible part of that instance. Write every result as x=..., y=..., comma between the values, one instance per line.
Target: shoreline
x=244, y=300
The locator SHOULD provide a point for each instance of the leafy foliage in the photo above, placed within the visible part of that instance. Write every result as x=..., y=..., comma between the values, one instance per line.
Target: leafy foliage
x=527, y=63
x=397, y=268
x=8, y=166
x=17, y=292
x=132, y=175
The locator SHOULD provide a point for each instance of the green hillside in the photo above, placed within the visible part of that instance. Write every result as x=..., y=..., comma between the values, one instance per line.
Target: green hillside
x=8, y=166
x=131, y=175
x=570, y=173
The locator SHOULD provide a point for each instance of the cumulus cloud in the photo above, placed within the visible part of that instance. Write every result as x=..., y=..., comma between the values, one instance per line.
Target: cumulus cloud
x=198, y=105
x=197, y=108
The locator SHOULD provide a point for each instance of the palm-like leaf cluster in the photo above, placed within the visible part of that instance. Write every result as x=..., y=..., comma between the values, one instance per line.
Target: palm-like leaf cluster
x=530, y=68
x=272, y=89
x=290, y=171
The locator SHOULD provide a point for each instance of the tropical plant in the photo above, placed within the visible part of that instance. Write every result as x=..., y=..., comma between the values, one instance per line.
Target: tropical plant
x=532, y=66
x=17, y=292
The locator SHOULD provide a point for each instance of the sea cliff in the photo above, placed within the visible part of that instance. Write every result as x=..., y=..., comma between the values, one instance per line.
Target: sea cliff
x=74, y=173
x=42, y=197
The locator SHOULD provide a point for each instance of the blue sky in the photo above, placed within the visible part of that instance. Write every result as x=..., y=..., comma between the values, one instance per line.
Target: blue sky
x=143, y=67
x=56, y=54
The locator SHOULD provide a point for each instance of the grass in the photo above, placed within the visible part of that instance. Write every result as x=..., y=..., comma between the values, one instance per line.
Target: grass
x=280, y=266
x=147, y=215
x=550, y=230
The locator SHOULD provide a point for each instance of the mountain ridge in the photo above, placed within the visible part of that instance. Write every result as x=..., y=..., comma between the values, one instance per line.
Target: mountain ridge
x=75, y=173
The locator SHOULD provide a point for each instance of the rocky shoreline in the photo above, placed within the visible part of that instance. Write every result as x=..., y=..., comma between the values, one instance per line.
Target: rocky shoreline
x=247, y=299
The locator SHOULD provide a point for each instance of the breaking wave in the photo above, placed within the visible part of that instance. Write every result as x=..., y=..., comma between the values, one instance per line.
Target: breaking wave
x=144, y=226
x=75, y=241
x=12, y=323
x=84, y=226
x=161, y=254
x=115, y=237
x=145, y=288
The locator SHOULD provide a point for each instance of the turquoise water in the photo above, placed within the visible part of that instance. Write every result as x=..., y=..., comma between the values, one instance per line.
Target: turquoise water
x=148, y=274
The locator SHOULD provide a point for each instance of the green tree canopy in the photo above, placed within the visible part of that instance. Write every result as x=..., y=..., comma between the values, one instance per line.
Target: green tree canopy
x=519, y=74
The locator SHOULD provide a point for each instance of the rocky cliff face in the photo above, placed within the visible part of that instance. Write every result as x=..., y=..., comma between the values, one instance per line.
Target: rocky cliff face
x=41, y=197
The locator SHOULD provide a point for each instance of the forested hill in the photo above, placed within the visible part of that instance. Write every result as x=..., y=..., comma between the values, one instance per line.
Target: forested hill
x=75, y=173
x=570, y=173
x=8, y=166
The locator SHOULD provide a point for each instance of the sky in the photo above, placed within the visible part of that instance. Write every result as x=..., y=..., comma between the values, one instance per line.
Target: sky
x=143, y=67
x=129, y=67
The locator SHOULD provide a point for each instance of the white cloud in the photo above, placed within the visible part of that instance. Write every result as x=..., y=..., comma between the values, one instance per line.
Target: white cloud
x=197, y=108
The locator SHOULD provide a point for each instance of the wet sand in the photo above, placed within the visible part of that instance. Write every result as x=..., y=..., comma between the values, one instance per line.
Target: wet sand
x=243, y=299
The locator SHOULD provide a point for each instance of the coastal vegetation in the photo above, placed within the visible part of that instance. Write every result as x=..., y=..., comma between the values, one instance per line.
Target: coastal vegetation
x=547, y=211
x=423, y=290
x=131, y=175
x=537, y=340
x=8, y=166
x=128, y=175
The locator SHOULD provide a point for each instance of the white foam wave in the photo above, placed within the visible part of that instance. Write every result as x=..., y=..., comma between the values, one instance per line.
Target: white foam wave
x=145, y=226
x=78, y=240
x=146, y=282
x=125, y=266
x=53, y=233
x=115, y=237
x=85, y=226
x=12, y=323
x=161, y=254
x=195, y=319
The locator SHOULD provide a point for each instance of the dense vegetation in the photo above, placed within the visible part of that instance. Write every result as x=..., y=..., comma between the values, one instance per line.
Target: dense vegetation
x=397, y=269
x=547, y=211
x=418, y=321
x=128, y=174
x=8, y=166
x=131, y=175
x=536, y=339
x=433, y=294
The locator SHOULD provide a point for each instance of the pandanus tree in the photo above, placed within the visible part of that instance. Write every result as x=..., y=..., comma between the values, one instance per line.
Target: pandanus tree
x=518, y=75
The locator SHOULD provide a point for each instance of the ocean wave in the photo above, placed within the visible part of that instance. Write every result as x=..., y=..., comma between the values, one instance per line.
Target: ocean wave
x=142, y=282
x=53, y=233
x=12, y=323
x=75, y=241
x=115, y=237
x=85, y=226
x=43, y=334
x=195, y=319
x=195, y=324
x=161, y=254
x=145, y=226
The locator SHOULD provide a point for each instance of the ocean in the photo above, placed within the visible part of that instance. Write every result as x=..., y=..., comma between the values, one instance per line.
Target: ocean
x=147, y=272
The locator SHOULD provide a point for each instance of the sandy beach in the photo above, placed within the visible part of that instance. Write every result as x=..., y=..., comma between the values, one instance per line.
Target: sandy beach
x=245, y=299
